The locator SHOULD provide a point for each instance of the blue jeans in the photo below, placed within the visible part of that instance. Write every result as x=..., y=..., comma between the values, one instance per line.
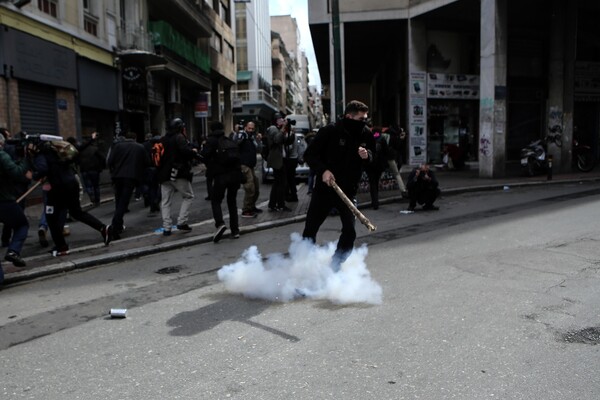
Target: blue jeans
x=12, y=215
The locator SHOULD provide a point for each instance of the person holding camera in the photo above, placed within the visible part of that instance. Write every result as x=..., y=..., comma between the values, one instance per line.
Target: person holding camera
x=290, y=162
x=422, y=187
x=175, y=175
x=11, y=214
x=278, y=136
x=248, y=140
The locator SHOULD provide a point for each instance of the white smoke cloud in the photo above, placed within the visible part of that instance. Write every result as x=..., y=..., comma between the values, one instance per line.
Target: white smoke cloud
x=306, y=271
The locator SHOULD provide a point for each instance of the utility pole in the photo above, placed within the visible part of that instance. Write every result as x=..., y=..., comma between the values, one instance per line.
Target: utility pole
x=337, y=58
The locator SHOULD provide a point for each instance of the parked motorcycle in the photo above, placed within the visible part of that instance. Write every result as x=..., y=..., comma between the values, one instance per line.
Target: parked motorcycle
x=583, y=157
x=534, y=158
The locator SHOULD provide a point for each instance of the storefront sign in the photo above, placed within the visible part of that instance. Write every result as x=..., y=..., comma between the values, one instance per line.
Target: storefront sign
x=587, y=81
x=452, y=86
x=201, y=106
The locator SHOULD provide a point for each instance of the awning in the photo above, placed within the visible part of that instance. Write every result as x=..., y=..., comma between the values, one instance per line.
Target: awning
x=244, y=76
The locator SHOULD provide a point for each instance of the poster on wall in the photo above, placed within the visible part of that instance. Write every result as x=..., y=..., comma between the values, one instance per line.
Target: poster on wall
x=417, y=135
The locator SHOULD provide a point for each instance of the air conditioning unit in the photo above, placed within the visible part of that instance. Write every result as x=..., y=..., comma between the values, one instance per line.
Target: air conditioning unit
x=174, y=91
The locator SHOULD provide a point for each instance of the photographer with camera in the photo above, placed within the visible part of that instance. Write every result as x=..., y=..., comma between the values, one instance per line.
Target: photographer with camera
x=278, y=136
x=291, y=162
x=248, y=141
x=422, y=187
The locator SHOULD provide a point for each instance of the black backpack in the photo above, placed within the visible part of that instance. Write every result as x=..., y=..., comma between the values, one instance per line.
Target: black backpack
x=228, y=152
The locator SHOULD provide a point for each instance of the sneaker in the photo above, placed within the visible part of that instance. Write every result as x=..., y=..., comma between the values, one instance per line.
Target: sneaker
x=257, y=210
x=219, y=233
x=410, y=208
x=59, y=252
x=42, y=237
x=13, y=257
x=249, y=214
x=274, y=209
x=430, y=207
x=167, y=232
x=184, y=227
x=107, y=234
x=236, y=235
x=285, y=208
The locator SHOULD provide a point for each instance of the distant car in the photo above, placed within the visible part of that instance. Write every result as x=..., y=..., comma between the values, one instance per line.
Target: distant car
x=302, y=170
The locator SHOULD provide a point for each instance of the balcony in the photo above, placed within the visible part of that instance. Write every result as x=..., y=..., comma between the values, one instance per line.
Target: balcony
x=165, y=36
x=135, y=45
x=255, y=97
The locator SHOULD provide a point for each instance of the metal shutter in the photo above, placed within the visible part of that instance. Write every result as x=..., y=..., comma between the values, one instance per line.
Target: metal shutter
x=37, y=104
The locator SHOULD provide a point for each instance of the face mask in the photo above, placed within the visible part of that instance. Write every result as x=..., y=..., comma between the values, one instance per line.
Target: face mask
x=353, y=125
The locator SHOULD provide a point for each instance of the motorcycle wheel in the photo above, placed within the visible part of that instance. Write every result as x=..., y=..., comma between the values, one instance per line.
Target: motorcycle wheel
x=585, y=161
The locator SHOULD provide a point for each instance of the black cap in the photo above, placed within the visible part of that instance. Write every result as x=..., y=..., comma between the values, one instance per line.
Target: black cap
x=277, y=115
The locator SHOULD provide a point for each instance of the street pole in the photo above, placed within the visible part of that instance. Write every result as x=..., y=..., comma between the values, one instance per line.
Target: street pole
x=337, y=57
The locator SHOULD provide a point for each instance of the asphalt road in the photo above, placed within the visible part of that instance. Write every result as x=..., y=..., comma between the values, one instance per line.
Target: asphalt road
x=494, y=296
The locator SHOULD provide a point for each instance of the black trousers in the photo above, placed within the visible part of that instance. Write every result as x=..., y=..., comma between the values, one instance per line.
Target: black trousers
x=277, y=195
x=124, y=188
x=290, y=178
x=425, y=196
x=228, y=183
x=322, y=201
x=66, y=197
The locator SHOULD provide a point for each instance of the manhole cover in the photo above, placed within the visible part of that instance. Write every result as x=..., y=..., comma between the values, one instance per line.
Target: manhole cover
x=586, y=336
x=170, y=270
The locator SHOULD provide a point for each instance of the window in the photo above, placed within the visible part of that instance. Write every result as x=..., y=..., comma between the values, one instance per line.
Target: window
x=90, y=25
x=49, y=7
x=217, y=42
x=86, y=5
x=228, y=51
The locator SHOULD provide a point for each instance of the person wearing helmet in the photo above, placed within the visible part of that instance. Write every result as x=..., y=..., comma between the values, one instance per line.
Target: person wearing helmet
x=175, y=175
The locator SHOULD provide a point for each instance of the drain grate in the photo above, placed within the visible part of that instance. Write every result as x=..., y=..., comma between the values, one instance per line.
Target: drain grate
x=170, y=270
x=585, y=336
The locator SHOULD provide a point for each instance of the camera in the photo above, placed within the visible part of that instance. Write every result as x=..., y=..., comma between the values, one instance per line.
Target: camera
x=291, y=121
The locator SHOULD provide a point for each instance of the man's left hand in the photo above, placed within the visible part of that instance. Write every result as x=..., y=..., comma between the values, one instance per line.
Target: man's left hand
x=363, y=153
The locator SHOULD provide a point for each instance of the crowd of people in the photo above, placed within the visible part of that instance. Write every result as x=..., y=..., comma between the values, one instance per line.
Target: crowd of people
x=337, y=154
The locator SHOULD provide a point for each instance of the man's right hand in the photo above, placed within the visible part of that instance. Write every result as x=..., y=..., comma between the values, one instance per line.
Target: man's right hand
x=328, y=178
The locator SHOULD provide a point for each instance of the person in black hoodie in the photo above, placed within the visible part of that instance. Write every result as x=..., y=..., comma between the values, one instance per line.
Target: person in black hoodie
x=338, y=154
x=175, y=175
x=127, y=162
x=227, y=177
x=423, y=188
x=63, y=195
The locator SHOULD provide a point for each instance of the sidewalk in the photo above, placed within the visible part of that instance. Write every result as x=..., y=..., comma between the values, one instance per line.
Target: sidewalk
x=144, y=237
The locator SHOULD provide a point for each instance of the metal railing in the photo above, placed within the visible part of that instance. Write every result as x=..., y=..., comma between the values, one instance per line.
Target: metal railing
x=135, y=37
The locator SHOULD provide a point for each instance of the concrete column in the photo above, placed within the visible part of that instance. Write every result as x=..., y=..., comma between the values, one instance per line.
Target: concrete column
x=492, y=105
x=556, y=79
x=569, y=85
x=215, y=106
x=334, y=112
x=227, y=113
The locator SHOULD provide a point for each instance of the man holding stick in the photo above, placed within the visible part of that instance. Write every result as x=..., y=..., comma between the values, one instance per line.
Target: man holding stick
x=338, y=154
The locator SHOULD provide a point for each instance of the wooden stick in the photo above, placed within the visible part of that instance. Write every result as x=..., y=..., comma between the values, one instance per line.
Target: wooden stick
x=31, y=189
x=361, y=217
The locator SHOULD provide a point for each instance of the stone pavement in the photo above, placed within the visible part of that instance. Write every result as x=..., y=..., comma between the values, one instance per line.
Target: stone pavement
x=144, y=236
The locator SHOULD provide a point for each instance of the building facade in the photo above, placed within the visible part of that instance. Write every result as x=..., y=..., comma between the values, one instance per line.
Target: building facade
x=254, y=95
x=486, y=75
x=72, y=67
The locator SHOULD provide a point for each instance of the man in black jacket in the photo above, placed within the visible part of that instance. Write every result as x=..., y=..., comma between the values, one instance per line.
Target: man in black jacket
x=126, y=161
x=175, y=175
x=248, y=142
x=422, y=187
x=338, y=154
x=225, y=168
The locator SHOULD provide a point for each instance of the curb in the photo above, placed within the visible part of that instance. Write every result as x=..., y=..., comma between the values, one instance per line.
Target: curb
x=108, y=258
